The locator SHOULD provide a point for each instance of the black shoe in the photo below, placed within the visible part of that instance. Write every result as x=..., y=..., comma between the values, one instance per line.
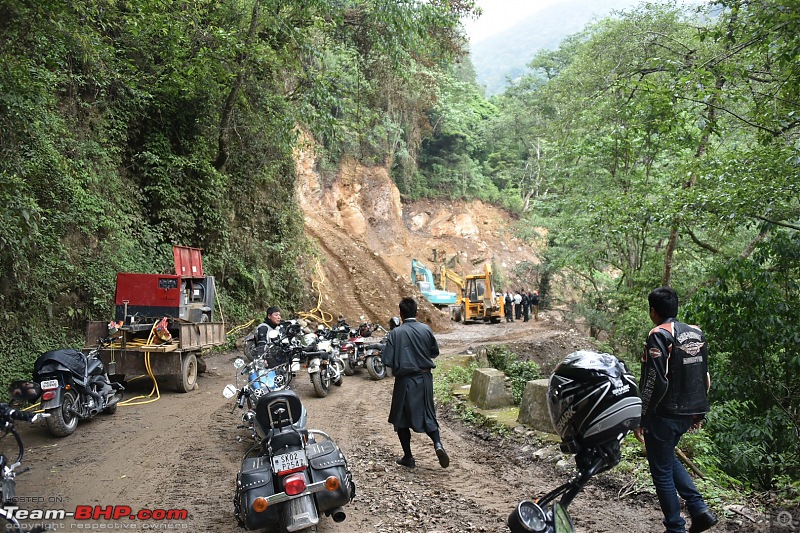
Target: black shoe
x=703, y=521
x=444, y=459
x=408, y=462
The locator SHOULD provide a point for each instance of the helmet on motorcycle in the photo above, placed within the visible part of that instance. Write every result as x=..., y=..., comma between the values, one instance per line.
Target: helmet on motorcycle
x=393, y=323
x=592, y=400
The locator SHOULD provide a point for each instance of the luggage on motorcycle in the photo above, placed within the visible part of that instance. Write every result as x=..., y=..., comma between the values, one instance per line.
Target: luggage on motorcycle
x=255, y=480
x=62, y=360
x=325, y=459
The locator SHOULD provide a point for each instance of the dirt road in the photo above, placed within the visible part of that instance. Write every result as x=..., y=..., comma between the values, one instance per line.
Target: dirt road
x=181, y=453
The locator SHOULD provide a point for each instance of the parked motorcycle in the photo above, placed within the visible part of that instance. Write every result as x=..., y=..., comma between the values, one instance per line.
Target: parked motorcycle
x=361, y=354
x=593, y=402
x=292, y=474
x=11, y=468
x=74, y=386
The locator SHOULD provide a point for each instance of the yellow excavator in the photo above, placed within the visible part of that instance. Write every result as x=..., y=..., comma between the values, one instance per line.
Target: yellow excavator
x=477, y=299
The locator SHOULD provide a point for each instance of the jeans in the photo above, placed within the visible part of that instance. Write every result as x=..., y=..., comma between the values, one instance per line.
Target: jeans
x=670, y=478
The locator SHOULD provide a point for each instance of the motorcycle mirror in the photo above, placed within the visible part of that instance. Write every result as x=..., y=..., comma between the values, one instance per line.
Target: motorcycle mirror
x=239, y=363
x=25, y=390
x=229, y=391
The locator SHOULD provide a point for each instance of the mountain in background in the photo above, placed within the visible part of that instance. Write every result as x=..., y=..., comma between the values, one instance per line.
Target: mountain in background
x=506, y=55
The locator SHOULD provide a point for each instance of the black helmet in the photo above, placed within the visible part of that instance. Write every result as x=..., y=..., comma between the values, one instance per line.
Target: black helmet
x=593, y=400
x=393, y=323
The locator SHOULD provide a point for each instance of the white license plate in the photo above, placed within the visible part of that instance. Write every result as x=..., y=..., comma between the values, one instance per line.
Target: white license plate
x=289, y=461
x=49, y=384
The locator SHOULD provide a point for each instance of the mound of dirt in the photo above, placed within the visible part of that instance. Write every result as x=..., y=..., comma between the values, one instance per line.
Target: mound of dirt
x=367, y=238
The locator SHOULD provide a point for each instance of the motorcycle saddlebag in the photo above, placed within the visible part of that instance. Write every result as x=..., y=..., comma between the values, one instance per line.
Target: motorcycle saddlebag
x=254, y=480
x=325, y=459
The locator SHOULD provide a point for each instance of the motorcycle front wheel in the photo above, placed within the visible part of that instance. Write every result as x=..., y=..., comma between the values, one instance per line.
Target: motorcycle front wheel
x=375, y=367
x=63, y=420
x=349, y=369
x=322, y=382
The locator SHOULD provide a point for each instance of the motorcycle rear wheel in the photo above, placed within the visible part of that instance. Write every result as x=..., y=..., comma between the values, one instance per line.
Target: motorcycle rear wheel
x=322, y=382
x=375, y=367
x=63, y=420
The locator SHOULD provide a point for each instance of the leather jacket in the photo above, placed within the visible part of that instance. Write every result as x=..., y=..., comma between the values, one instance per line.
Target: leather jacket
x=674, y=379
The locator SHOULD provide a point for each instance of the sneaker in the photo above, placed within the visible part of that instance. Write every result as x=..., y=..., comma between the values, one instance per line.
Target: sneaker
x=408, y=462
x=703, y=521
x=444, y=459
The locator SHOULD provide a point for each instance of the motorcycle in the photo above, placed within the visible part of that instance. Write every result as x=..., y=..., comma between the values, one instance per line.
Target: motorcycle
x=593, y=402
x=74, y=386
x=10, y=469
x=360, y=354
x=332, y=366
x=291, y=475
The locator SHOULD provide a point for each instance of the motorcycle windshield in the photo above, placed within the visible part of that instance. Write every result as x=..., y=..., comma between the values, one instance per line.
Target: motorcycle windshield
x=59, y=361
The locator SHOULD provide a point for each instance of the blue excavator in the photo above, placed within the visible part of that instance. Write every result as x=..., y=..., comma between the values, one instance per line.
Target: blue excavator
x=423, y=279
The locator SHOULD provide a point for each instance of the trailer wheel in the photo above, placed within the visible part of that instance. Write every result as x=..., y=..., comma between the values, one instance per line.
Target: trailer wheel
x=188, y=378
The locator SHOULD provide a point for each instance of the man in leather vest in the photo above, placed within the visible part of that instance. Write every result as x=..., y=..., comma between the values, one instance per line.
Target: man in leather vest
x=410, y=351
x=674, y=386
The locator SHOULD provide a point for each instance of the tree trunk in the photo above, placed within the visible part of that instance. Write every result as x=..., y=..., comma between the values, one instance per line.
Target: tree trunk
x=702, y=147
x=223, y=149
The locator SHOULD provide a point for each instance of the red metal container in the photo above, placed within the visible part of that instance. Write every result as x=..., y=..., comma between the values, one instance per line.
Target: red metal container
x=188, y=261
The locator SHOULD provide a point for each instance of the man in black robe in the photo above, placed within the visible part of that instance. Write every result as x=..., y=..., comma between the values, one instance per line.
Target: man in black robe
x=410, y=350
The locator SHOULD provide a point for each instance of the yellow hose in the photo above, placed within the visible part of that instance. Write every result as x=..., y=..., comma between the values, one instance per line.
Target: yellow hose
x=149, y=369
x=317, y=314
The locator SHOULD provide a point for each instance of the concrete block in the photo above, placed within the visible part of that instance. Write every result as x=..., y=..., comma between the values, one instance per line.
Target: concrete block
x=533, y=407
x=488, y=389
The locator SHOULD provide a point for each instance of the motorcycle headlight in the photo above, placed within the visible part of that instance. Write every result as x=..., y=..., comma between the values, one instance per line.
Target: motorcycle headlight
x=308, y=339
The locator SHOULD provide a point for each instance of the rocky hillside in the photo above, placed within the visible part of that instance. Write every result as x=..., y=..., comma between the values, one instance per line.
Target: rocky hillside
x=367, y=237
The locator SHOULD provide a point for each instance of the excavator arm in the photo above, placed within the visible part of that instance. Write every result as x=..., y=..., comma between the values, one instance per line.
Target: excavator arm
x=445, y=274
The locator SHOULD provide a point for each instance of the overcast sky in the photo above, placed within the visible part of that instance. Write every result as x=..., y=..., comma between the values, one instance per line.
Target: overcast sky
x=499, y=15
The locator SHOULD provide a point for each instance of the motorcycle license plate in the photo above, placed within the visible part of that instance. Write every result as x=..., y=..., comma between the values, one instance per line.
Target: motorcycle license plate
x=49, y=384
x=289, y=461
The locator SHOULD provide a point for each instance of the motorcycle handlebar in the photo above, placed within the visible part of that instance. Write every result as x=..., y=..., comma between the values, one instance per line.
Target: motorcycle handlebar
x=8, y=413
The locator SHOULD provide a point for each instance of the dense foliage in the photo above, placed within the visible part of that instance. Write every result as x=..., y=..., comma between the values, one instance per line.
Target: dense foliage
x=661, y=147
x=127, y=127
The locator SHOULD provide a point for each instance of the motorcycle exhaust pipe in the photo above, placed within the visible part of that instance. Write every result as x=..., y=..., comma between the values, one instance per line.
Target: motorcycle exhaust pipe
x=337, y=514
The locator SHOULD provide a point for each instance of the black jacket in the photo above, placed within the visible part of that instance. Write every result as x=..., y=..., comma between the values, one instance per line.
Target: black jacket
x=674, y=371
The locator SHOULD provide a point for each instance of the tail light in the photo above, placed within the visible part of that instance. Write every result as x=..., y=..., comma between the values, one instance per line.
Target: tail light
x=294, y=484
x=49, y=395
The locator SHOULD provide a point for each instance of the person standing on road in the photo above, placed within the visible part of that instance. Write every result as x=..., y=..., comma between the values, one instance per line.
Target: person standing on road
x=517, y=305
x=526, y=306
x=534, y=302
x=410, y=351
x=674, y=387
x=509, y=307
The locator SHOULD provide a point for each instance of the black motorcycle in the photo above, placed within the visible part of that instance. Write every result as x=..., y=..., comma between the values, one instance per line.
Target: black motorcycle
x=292, y=474
x=74, y=386
x=593, y=402
x=11, y=468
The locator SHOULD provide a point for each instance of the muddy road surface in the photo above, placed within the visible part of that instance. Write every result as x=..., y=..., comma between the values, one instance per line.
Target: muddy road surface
x=180, y=453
